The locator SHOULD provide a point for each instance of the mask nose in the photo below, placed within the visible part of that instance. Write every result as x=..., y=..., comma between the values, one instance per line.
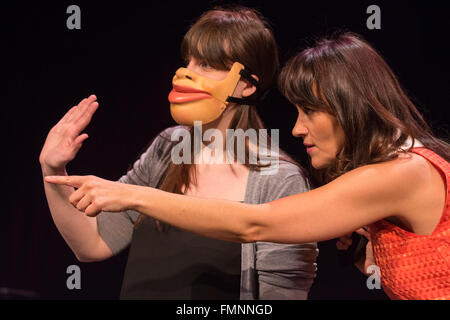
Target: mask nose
x=183, y=73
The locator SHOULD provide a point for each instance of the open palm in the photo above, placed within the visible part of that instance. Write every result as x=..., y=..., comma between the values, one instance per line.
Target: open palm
x=64, y=139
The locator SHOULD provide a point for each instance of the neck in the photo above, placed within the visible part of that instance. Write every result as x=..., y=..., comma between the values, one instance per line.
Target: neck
x=221, y=124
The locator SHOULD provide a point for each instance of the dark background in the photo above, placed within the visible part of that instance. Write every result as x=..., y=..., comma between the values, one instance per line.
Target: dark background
x=126, y=53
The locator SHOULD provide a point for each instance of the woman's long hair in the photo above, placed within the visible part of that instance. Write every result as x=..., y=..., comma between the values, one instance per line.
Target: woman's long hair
x=355, y=85
x=219, y=38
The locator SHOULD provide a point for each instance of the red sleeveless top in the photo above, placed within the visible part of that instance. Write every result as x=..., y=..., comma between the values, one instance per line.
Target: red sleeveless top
x=415, y=266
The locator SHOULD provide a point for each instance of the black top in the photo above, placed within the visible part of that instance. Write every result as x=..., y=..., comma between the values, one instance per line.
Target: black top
x=176, y=264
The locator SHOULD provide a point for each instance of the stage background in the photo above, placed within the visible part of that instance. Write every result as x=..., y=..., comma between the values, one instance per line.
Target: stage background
x=126, y=53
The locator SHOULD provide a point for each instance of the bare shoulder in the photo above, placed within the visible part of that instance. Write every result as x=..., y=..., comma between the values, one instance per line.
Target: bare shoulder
x=410, y=165
x=396, y=180
x=402, y=188
x=407, y=169
x=422, y=194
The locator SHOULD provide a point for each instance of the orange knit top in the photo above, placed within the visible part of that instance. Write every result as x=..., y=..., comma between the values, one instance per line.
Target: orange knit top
x=415, y=266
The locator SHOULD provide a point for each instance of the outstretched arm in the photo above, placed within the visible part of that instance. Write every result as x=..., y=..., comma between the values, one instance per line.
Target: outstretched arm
x=348, y=203
x=355, y=199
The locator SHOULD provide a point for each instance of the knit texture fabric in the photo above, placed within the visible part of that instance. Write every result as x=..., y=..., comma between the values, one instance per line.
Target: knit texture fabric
x=415, y=267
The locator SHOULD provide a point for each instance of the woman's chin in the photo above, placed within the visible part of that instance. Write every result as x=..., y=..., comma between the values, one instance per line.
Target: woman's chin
x=319, y=164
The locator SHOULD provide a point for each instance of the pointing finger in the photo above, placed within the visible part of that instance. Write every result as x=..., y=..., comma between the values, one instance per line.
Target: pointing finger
x=73, y=181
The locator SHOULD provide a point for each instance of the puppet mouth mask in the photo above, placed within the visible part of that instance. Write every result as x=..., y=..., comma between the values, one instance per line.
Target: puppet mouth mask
x=198, y=98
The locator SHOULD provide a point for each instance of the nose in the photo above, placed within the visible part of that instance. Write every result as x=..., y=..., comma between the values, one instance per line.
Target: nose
x=299, y=130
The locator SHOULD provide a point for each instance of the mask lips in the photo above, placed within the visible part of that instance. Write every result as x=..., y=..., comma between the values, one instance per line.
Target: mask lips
x=183, y=94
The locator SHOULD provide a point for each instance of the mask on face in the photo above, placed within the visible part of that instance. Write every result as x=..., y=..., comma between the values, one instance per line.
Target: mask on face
x=197, y=98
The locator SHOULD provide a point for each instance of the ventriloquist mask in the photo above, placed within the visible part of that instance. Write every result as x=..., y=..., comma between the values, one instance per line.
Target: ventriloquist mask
x=198, y=98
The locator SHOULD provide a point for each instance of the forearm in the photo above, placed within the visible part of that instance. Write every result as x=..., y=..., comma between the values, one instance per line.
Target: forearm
x=208, y=217
x=78, y=230
x=306, y=217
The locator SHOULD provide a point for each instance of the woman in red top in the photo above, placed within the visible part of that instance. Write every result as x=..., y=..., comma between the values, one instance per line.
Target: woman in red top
x=379, y=163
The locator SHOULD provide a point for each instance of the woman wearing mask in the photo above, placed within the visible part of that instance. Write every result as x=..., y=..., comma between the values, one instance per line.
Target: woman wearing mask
x=231, y=60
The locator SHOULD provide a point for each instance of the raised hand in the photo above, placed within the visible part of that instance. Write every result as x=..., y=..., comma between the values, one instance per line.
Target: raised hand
x=64, y=139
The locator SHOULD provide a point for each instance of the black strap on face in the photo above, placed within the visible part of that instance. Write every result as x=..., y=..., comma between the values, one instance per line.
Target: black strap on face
x=246, y=101
x=244, y=73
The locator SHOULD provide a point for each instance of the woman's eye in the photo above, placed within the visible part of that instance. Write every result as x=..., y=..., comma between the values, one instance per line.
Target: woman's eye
x=307, y=110
x=205, y=65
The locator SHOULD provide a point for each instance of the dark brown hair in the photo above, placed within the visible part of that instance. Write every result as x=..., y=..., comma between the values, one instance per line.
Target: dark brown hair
x=221, y=37
x=346, y=77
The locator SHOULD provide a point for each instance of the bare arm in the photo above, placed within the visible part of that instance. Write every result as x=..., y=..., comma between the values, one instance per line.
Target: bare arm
x=62, y=143
x=356, y=199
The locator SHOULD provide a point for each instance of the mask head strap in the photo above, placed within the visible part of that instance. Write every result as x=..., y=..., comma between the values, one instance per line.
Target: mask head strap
x=244, y=73
x=246, y=101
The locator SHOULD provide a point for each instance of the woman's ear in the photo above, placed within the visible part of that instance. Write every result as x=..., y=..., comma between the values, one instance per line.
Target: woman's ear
x=249, y=88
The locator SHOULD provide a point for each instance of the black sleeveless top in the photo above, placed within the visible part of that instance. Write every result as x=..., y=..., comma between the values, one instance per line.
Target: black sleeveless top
x=176, y=264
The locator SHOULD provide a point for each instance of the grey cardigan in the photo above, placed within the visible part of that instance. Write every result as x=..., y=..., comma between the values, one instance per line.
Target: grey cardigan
x=268, y=270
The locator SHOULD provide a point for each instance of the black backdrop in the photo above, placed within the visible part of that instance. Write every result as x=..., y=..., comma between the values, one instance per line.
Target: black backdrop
x=126, y=53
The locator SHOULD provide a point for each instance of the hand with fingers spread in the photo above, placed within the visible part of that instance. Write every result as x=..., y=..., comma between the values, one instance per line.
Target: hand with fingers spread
x=345, y=242
x=64, y=139
x=94, y=194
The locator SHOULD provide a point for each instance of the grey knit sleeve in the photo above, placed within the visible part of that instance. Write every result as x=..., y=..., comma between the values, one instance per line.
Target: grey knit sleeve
x=116, y=228
x=286, y=271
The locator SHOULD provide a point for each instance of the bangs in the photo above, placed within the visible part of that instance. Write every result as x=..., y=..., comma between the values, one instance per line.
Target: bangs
x=300, y=82
x=207, y=42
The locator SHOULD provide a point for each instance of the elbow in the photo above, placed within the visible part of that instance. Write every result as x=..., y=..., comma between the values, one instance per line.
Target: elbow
x=247, y=238
x=250, y=233
x=253, y=228
x=86, y=259
x=81, y=258
x=94, y=254
x=91, y=258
